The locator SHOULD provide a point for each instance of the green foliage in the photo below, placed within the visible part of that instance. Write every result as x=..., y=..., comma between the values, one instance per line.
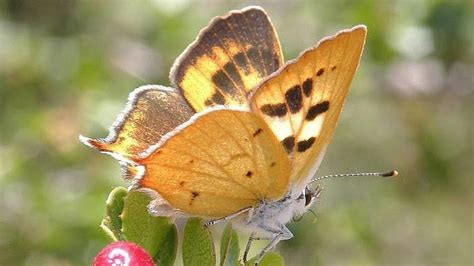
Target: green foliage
x=107, y=226
x=270, y=259
x=128, y=219
x=114, y=206
x=167, y=251
x=198, y=245
x=142, y=228
x=229, y=250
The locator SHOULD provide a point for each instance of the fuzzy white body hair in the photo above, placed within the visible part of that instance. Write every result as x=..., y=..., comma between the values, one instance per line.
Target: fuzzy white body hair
x=269, y=218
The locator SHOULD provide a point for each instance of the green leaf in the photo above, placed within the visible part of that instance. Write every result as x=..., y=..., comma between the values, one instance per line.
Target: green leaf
x=198, y=246
x=106, y=227
x=167, y=252
x=114, y=205
x=270, y=259
x=140, y=227
x=229, y=247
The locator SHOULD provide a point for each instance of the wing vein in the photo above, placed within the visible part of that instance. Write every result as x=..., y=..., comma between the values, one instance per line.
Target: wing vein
x=251, y=142
x=214, y=162
x=233, y=138
x=243, y=49
x=256, y=37
x=225, y=171
x=204, y=174
x=243, y=93
x=222, y=91
x=191, y=155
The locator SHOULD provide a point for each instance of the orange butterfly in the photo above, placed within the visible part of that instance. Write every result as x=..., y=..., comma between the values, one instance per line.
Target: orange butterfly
x=243, y=135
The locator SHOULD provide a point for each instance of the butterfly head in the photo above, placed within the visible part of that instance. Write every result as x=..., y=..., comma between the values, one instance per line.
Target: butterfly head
x=306, y=199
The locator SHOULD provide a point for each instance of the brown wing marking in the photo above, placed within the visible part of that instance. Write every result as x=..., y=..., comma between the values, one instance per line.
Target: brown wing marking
x=151, y=112
x=228, y=59
x=313, y=88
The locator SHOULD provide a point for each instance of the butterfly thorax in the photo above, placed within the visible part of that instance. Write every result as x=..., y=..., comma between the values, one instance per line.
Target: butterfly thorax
x=269, y=217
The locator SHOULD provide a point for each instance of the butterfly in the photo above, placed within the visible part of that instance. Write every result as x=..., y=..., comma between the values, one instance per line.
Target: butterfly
x=240, y=134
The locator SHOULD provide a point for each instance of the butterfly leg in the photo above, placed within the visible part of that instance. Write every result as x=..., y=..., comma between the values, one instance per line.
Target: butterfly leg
x=249, y=243
x=282, y=234
x=228, y=217
x=247, y=247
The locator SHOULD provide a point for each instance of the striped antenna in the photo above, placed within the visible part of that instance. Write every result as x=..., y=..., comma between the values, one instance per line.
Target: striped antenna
x=392, y=173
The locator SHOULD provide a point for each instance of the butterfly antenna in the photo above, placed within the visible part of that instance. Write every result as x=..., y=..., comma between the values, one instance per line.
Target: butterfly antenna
x=392, y=173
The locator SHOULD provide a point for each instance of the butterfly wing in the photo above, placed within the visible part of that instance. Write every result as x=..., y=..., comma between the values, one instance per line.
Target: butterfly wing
x=229, y=57
x=217, y=163
x=301, y=102
x=151, y=112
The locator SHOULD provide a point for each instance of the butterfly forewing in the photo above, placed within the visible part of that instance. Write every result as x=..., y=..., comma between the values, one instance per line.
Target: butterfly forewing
x=152, y=111
x=228, y=59
x=302, y=101
x=218, y=163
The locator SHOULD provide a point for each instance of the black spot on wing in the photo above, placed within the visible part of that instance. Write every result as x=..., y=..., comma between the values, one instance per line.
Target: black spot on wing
x=234, y=75
x=278, y=109
x=288, y=143
x=320, y=72
x=333, y=68
x=294, y=98
x=249, y=174
x=271, y=63
x=241, y=62
x=194, y=195
x=217, y=98
x=305, y=144
x=254, y=57
x=316, y=110
x=259, y=33
x=308, y=87
x=224, y=83
x=258, y=131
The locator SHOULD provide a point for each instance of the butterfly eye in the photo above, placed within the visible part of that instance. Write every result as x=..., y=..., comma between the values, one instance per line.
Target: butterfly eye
x=308, y=196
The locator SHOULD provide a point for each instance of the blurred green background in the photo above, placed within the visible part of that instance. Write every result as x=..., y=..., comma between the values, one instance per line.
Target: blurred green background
x=66, y=67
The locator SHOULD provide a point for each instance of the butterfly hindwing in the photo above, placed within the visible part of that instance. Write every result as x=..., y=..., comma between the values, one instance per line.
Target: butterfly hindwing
x=217, y=163
x=151, y=112
x=302, y=101
x=228, y=59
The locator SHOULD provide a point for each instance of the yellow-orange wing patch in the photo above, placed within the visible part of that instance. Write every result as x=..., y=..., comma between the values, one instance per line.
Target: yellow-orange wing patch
x=151, y=112
x=228, y=59
x=302, y=101
x=219, y=162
